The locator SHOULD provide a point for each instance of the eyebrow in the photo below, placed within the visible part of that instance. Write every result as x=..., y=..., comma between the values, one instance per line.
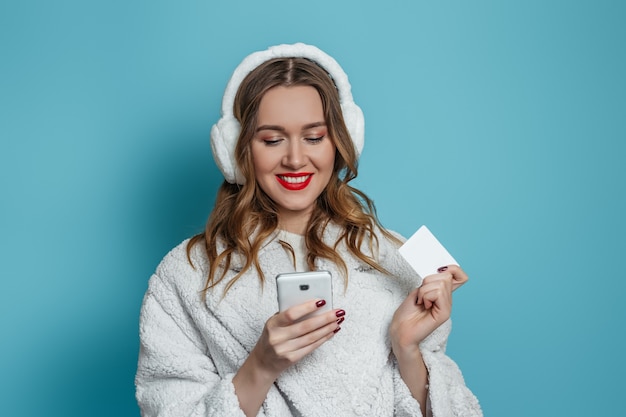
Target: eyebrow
x=282, y=129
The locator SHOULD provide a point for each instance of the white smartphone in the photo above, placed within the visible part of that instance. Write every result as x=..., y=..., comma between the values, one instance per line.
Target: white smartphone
x=297, y=287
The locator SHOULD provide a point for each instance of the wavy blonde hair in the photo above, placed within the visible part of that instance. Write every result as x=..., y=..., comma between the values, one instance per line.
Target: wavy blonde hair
x=244, y=211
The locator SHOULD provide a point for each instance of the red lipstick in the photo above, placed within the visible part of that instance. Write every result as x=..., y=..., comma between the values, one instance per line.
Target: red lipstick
x=283, y=179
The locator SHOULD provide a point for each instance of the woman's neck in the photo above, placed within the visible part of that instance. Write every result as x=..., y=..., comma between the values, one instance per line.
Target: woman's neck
x=294, y=222
x=298, y=228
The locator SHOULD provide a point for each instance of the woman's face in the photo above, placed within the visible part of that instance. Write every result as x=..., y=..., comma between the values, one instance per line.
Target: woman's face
x=292, y=154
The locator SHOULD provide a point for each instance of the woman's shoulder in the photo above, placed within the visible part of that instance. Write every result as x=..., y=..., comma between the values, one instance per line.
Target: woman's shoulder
x=397, y=235
x=388, y=240
x=390, y=257
x=185, y=261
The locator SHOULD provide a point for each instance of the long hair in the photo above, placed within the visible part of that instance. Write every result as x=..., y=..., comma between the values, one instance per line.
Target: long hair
x=244, y=216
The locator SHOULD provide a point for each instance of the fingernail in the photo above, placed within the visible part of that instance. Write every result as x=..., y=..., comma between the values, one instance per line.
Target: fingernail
x=340, y=313
x=320, y=303
x=442, y=269
x=340, y=320
x=337, y=329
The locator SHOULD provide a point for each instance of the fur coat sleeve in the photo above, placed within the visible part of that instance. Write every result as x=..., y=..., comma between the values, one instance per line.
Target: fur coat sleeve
x=176, y=376
x=448, y=393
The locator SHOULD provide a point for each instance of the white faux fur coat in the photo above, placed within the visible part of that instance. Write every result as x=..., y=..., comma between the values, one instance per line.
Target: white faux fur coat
x=191, y=349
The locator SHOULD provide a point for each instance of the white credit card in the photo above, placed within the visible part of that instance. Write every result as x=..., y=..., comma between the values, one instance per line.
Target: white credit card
x=425, y=254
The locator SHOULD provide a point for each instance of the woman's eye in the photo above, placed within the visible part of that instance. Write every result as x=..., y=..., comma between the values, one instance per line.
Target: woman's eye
x=315, y=140
x=271, y=142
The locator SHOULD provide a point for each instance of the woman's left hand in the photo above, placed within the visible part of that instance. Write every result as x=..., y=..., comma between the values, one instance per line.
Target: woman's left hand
x=425, y=309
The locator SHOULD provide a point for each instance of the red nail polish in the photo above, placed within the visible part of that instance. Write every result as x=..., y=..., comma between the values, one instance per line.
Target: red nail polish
x=442, y=269
x=320, y=303
x=340, y=313
x=337, y=329
x=340, y=320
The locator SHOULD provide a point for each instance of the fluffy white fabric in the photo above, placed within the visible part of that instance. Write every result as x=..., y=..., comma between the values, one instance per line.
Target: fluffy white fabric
x=225, y=132
x=190, y=348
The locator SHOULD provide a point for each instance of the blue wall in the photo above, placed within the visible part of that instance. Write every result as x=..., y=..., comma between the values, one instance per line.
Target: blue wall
x=499, y=124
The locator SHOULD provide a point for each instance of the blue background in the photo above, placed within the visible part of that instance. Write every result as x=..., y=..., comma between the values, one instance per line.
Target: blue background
x=499, y=124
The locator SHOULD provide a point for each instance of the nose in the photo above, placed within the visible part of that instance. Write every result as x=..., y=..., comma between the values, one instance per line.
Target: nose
x=295, y=157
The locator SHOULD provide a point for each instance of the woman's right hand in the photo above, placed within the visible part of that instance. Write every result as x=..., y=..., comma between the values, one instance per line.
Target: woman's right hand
x=286, y=340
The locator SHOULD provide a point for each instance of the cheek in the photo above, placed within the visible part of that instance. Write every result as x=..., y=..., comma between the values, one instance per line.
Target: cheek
x=328, y=157
x=260, y=160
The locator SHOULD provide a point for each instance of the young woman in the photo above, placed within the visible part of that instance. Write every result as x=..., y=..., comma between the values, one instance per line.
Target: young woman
x=212, y=340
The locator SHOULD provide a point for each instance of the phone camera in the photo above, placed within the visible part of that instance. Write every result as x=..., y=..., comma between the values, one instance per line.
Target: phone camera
x=304, y=287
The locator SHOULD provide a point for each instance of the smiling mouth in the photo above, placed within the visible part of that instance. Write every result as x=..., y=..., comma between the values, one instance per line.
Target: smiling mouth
x=294, y=182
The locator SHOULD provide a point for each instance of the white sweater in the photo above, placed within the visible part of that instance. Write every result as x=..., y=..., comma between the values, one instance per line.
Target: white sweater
x=191, y=349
